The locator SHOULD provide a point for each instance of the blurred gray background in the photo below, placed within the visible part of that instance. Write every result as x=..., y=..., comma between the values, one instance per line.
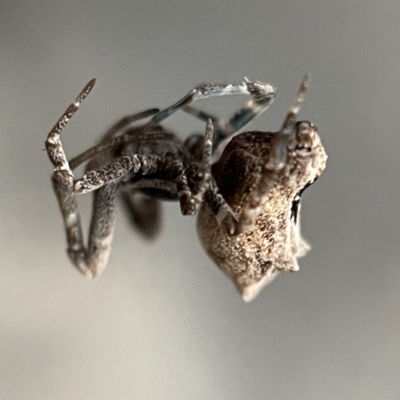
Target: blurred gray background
x=163, y=322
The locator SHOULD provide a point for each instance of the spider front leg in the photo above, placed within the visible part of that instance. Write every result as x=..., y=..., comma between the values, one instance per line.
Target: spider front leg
x=54, y=147
x=262, y=95
x=207, y=189
x=224, y=214
x=91, y=260
x=193, y=182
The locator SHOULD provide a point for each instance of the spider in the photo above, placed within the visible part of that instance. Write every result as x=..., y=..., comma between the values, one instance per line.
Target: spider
x=145, y=164
x=248, y=199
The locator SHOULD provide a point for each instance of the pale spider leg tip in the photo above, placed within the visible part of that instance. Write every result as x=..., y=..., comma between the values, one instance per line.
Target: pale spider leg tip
x=89, y=86
x=209, y=129
x=91, y=83
x=208, y=142
x=92, y=273
x=89, y=273
x=301, y=92
x=306, y=80
x=296, y=106
x=70, y=111
x=85, y=92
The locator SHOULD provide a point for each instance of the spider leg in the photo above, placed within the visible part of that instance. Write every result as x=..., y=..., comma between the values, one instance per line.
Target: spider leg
x=223, y=212
x=91, y=260
x=262, y=96
x=101, y=228
x=278, y=153
x=188, y=202
x=191, y=199
x=208, y=146
x=54, y=147
x=200, y=114
x=226, y=218
x=113, y=172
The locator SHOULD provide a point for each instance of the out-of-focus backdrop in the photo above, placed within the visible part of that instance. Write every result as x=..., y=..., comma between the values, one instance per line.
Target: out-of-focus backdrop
x=163, y=322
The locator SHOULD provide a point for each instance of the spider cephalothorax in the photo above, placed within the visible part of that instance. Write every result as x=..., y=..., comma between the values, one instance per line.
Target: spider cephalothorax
x=249, y=199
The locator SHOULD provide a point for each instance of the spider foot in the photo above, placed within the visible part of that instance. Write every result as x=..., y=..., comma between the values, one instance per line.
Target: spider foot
x=79, y=259
x=189, y=204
